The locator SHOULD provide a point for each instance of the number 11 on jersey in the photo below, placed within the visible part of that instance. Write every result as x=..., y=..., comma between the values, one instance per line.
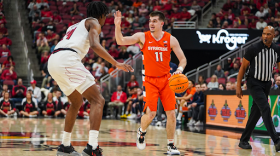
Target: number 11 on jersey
x=158, y=54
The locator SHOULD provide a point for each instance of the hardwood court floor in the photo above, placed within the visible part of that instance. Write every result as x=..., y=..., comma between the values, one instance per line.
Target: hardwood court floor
x=40, y=137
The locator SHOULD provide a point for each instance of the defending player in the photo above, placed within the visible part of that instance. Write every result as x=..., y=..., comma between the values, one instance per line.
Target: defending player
x=156, y=47
x=76, y=81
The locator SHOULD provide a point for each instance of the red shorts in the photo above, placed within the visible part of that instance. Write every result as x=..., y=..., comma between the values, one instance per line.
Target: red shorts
x=155, y=87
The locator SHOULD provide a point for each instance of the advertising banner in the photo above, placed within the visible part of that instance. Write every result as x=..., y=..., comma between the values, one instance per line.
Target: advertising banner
x=214, y=39
x=227, y=110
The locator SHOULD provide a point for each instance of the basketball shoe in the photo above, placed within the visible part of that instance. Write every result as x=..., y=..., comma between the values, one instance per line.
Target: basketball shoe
x=67, y=151
x=171, y=149
x=89, y=152
x=140, y=142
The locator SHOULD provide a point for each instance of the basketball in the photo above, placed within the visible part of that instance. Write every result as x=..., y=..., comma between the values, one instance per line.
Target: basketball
x=178, y=83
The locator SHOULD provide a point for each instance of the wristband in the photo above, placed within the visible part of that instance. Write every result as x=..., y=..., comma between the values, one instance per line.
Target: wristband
x=180, y=68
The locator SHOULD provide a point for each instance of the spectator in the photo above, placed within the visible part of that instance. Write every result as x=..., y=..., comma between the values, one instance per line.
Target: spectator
x=72, y=22
x=203, y=87
x=227, y=19
x=74, y=10
x=35, y=90
x=5, y=40
x=173, y=67
x=228, y=86
x=29, y=109
x=103, y=44
x=197, y=107
x=32, y=12
x=222, y=87
x=195, y=7
x=277, y=84
x=58, y=102
x=36, y=18
x=9, y=62
x=109, y=20
x=66, y=107
x=9, y=74
x=50, y=26
x=210, y=24
x=272, y=21
x=129, y=102
x=42, y=4
x=219, y=72
x=228, y=66
x=31, y=4
x=19, y=91
x=111, y=69
x=254, y=10
x=150, y=6
x=231, y=15
x=276, y=37
x=218, y=23
x=5, y=52
x=33, y=99
x=51, y=36
x=261, y=24
x=227, y=6
x=233, y=86
x=123, y=54
x=142, y=19
x=136, y=23
x=41, y=38
x=98, y=71
x=132, y=82
x=252, y=24
x=143, y=10
x=7, y=108
x=266, y=9
x=186, y=98
x=63, y=31
x=261, y=13
x=245, y=10
x=117, y=100
x=225, y=25
x=49, y=106
x=175, y=14
x=277, y=19
x=3, y=30
x=185, y=15
x=53, y=46
x=43, y=47
x=201, y=79
x=46, y=12
x=130, y=18
x=133, y=49
x=213, y=84
x=167, y=6
x=244, y=87
x=125, y=24
x=5, y=89
x=56, y=17
x=44, y=59
x=234, y=70
x=97, y=64
x=113, y=51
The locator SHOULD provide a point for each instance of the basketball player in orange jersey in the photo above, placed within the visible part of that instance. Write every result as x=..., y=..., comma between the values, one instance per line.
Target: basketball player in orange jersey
x=156, y=47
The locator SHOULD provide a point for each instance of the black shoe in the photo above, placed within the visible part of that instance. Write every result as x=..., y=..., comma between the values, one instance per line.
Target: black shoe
x=244, y=145
x=277, y=146
x=66, y=151
x=89, y=152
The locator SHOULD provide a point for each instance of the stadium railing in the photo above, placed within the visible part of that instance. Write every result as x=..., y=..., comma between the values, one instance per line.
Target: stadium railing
x=207, y=69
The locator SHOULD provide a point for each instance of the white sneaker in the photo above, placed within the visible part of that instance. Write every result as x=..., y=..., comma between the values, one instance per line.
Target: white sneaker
x=140, y=142
x=132, y=116
x=171, y=149
x=32, y=116
x=198, y=123
x=159, y=124
x=191, y=122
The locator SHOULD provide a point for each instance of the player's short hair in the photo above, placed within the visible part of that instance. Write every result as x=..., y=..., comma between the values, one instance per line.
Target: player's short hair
x=192, y=82
x=159, y=14
x=97, y=9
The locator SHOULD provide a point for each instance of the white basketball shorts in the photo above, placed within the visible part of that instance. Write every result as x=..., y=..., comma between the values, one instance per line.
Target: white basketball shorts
x=67, y=70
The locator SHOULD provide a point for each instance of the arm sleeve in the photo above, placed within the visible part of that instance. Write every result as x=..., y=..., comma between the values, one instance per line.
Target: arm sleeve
x=249, y=54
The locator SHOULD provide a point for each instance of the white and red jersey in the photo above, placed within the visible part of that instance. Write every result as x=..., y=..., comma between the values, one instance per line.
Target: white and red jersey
x=76, y=38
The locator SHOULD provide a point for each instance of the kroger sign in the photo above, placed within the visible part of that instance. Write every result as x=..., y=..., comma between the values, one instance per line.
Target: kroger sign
x=229, y=39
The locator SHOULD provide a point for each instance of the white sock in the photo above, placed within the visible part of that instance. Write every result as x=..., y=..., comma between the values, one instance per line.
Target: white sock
x=66, y=138
x=142, y=130
x=169, y=141
x=179, y=116
x=93, y=138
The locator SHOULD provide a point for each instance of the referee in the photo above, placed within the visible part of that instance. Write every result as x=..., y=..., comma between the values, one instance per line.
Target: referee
x=260, y=57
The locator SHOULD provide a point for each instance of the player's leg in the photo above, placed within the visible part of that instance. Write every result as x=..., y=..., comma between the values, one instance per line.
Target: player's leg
x=66, y=149
x=180, y=109
x=92, y=94
x=147, y=119
x=167, y=97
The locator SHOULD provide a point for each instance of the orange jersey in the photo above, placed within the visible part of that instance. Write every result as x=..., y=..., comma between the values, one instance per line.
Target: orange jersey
x=156, y=55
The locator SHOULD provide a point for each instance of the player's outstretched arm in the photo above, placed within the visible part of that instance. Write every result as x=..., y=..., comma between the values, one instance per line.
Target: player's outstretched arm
x=94, y=29
x=175, y=46
x=128, y=40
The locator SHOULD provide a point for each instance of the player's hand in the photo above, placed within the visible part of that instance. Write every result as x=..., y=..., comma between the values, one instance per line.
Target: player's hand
x=239, y=92
x=118, y=18
x=124, y=67
x=178, y=71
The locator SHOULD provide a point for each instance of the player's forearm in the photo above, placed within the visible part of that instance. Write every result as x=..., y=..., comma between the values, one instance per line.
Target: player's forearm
x=182, y=63
x=240, y=75
x=100, y=51
x=118, y=35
